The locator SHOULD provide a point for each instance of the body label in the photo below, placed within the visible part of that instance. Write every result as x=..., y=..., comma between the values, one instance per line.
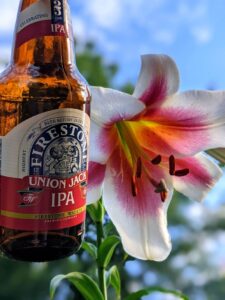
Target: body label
x=42, y=18
x=44, y=171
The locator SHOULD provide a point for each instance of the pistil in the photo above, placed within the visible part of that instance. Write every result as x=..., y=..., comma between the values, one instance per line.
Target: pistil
x=162, y=189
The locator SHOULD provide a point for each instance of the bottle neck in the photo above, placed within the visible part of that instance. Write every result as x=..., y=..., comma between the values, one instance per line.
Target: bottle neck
x=43, y=33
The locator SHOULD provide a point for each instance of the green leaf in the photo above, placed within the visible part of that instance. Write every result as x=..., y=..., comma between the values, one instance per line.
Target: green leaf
x=83, y=283
x=115, y=281
x=90, y=248
x=96, y=211
x=109, y=229
x=148, y=291
x=54, y=284
x=106, y=250
x=218, y=154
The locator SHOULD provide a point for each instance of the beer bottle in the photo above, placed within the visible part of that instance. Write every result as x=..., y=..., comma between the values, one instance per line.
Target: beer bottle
x=44, y=108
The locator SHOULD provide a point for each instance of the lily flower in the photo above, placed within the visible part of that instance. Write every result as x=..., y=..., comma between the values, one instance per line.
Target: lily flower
x=145, y=145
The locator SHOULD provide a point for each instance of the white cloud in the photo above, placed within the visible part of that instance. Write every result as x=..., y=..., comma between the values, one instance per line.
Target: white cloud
x=8, y=15
x=141, y=11
x=202, y=34
x=106, y=14
x=182, y=17
x=84, y=32
x=165, y=36
x=7, y=23
x=114, y=14
x=2, y=67
x=80, y=29
x=100, y=19
x=190, y=12
x=5, y=51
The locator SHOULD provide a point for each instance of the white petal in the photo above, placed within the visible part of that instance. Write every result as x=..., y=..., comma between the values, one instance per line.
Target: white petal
x=96, y=174
x=143, y=238
x=144, y=235
x=94, y=194
x=202, y=105
x=203, y=176
x=185, y=124
x=110, y=106
x=157, y=68
x=102, y=142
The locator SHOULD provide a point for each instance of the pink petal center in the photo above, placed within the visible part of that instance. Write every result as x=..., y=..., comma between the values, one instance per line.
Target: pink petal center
x=156, y=91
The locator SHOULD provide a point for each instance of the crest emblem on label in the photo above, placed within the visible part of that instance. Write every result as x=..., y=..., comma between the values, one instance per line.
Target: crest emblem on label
x=59, y=151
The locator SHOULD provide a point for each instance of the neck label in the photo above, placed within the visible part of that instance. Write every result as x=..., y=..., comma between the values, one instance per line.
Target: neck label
x=43, y=18
x=57, y=12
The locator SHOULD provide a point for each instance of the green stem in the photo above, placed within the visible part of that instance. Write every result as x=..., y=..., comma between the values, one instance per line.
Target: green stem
x=101, y=270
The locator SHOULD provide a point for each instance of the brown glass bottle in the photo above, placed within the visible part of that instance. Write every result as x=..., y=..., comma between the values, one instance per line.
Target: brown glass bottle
x=42, y=77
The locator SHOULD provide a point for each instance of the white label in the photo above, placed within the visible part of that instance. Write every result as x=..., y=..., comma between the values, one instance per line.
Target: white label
x=39, y=11
x=54, y=143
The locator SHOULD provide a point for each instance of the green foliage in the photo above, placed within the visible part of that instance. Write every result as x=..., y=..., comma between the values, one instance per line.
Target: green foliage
x=109, y=228
x=83, y=283
x=23, y=281
x=114, y=280
x=94, y=69
x=106, y=249
x=128, y=88
x=90, y=248
x=96, y=211
x=218, y=154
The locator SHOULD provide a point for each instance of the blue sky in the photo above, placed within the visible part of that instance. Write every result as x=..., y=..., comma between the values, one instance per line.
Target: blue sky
x=189, y=31
x=192, y=32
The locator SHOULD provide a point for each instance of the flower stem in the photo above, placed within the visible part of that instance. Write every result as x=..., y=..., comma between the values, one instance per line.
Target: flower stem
x=101, y=269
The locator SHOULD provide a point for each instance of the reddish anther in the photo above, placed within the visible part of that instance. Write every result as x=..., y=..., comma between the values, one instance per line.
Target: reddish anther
x=181, y=173
x=156, y=160
x=171, y=165
x=163, y=196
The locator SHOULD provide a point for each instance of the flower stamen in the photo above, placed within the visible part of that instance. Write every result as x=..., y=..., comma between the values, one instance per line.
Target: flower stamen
x=156, y=160
x=138, y=168
x=172, y=171
x=181, y=173
x=171, y=165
